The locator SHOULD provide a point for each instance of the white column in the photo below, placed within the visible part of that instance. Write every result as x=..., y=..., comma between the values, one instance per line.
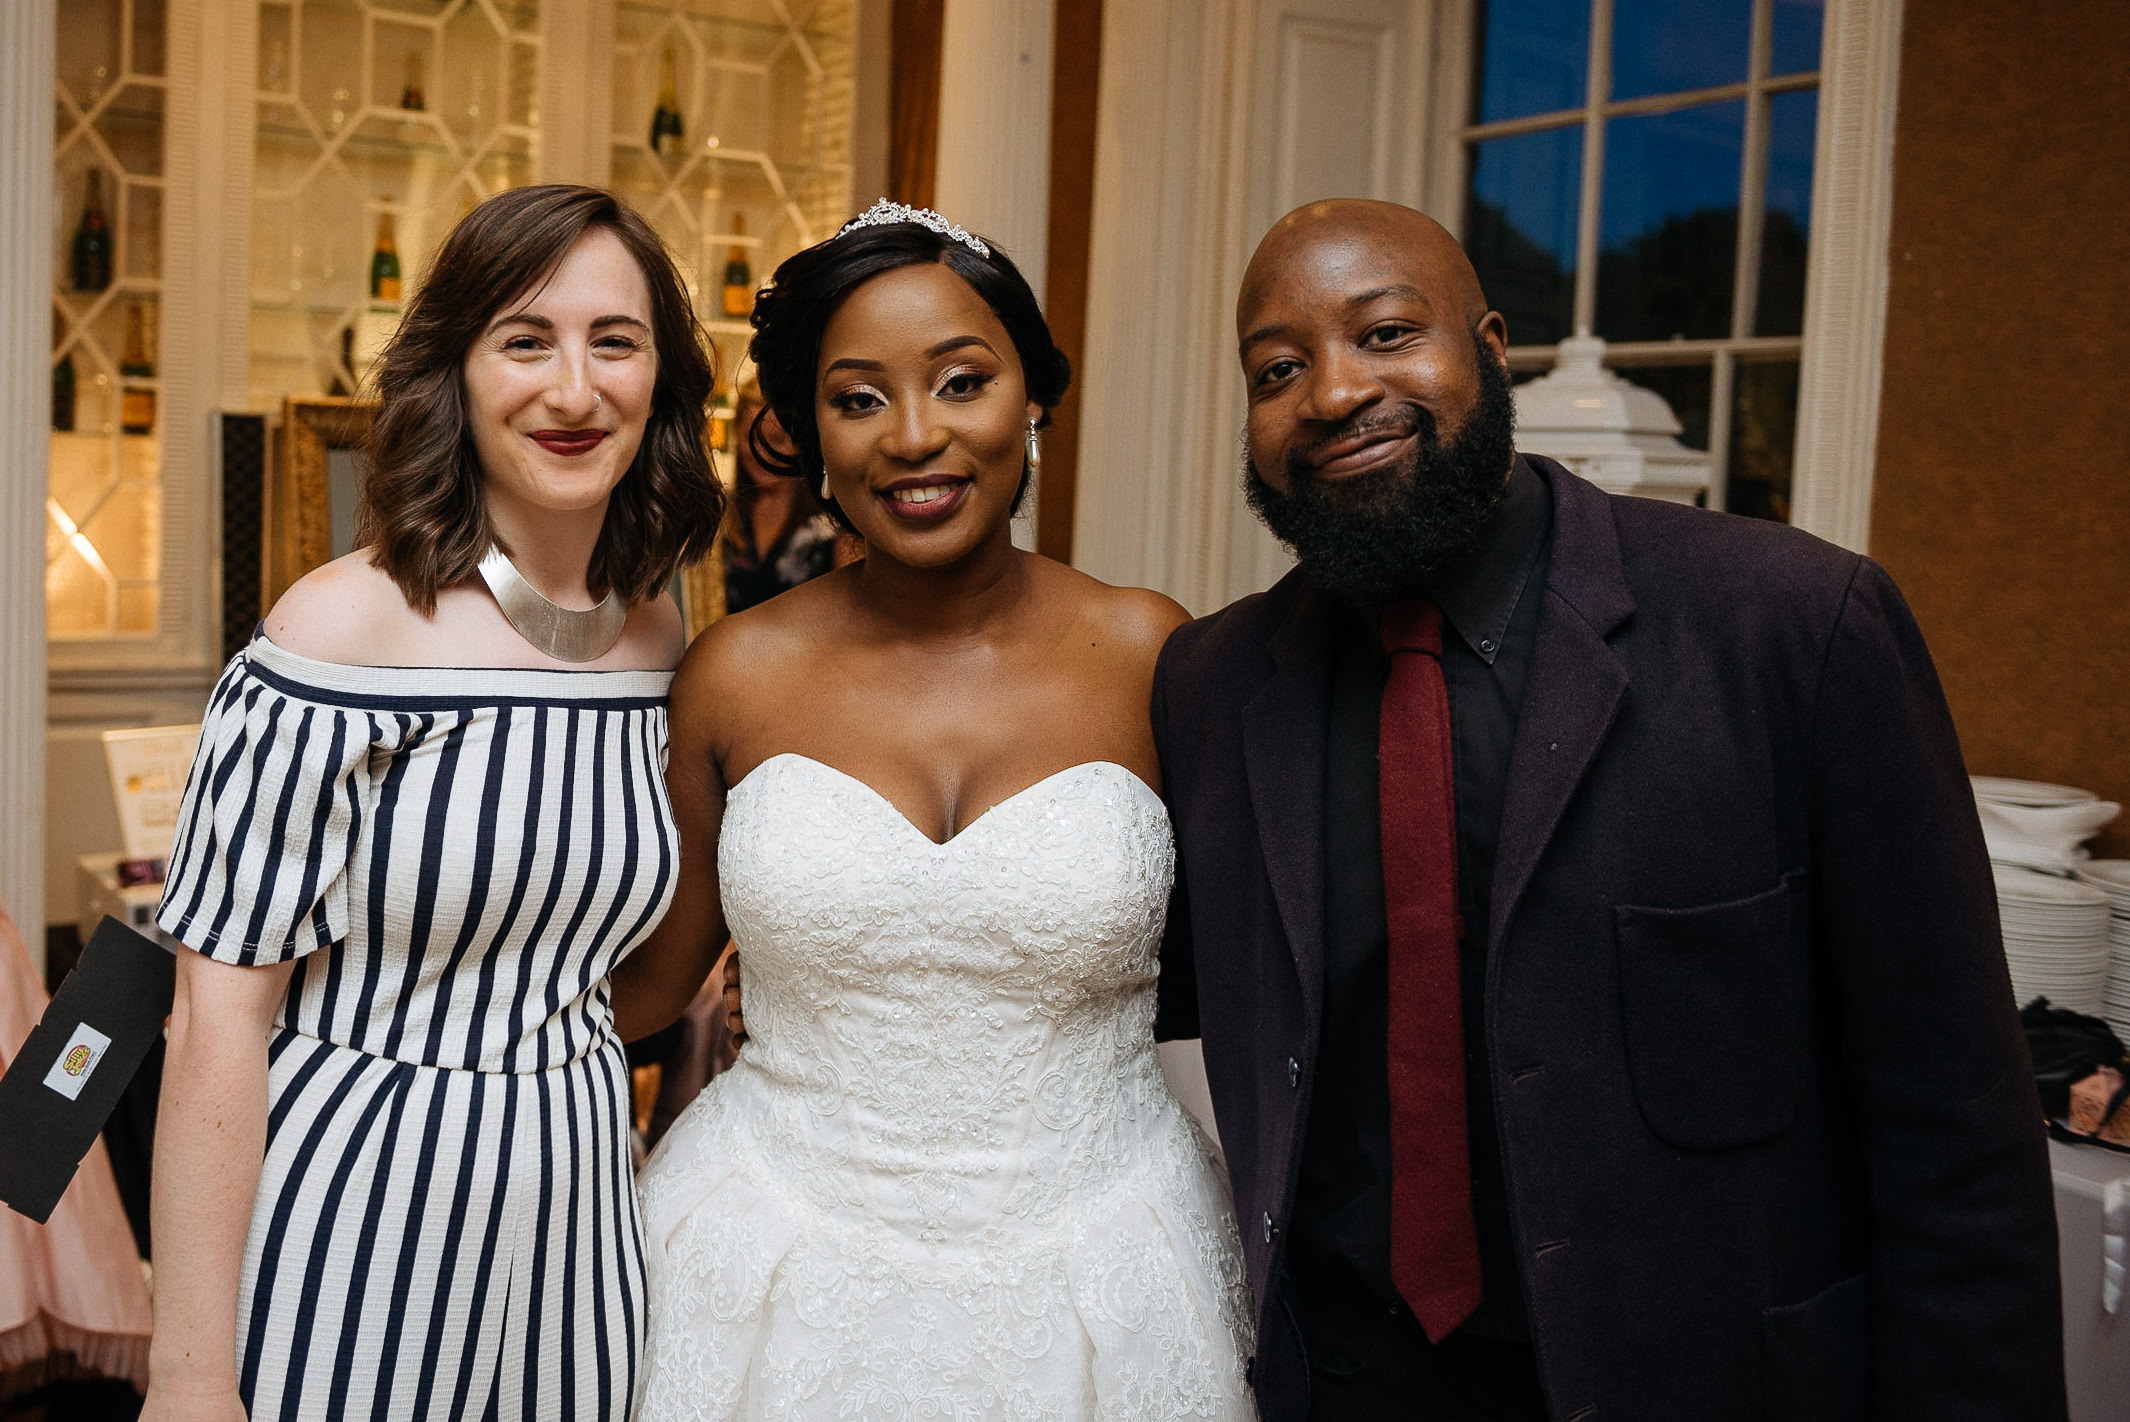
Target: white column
x=27, y=66
x=205, y=322
x=1846, y=272
x=1160, y=398
x=994, y=139
x=994, y=125
x=576, y=77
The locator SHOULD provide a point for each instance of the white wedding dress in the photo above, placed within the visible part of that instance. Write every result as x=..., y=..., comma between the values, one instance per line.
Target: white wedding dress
x=946, y=1178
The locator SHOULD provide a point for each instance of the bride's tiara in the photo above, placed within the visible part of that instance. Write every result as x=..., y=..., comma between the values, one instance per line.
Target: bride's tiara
x=883, y=212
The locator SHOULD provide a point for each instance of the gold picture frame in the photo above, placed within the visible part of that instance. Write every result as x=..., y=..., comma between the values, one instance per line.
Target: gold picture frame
x=298, y=522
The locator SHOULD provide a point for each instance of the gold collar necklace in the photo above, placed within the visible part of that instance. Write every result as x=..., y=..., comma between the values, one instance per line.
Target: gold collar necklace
x=567, y=634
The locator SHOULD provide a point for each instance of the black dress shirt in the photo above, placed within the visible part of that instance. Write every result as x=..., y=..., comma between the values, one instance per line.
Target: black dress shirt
x=1339, y=1242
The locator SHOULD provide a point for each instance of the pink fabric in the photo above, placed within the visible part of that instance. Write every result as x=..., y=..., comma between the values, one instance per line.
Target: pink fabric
x=74, y=1285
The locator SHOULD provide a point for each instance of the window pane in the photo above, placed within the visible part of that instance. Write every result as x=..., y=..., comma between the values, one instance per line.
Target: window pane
x=1763, y=438
x=1660, y=46
x=1797, y=26
x=1670, y=225
x=1519, y=227
x=1686, y=388
x=1532, y=59
x=1787, y=228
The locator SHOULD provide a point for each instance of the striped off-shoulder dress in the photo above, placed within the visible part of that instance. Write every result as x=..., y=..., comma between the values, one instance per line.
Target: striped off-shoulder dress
x=446, y=1223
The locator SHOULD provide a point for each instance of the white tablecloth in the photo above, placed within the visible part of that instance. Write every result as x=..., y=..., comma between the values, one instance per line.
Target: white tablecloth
x=2096, y=1344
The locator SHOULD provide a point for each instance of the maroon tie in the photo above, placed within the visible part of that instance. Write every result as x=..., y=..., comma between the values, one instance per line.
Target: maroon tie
x=1434, y=1248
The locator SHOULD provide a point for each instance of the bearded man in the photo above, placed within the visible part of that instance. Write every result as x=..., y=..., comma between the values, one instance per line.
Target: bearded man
x=1583, y=908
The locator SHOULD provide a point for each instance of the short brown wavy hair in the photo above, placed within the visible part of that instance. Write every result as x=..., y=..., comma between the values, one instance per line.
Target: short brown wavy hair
x=423, y=515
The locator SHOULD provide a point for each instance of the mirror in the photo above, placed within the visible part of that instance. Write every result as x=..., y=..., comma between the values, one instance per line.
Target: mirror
x=317, y=477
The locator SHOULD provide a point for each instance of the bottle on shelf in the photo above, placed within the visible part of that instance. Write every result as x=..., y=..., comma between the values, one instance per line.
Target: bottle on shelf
x=63, y=392
x=738, y=295
x=411, y=96
x=136, y=403
x=92, y=239
x=665, y=119
x=721, y=408
x=384, y=262
x=336, y=383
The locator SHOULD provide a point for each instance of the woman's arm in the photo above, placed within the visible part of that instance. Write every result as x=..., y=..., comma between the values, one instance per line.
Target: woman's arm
x=210, y=1137
x=654, y=984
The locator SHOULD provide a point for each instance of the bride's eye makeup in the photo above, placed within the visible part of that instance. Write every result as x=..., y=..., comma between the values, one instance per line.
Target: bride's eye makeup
x=856, y=400
x=965, y=384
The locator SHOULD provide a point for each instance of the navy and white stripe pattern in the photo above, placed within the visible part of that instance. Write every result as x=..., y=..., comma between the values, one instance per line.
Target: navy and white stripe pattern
x=446, y=1225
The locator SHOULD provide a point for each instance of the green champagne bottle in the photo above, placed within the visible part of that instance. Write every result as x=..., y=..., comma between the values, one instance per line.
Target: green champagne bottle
x=92, y=239
x=737, y=298
x=63, y=392
x=384, y=263
x=665, y=119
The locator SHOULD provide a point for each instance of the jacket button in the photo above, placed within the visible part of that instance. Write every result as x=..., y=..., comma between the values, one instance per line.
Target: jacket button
x=1270, y=1229
x=1294, y=1072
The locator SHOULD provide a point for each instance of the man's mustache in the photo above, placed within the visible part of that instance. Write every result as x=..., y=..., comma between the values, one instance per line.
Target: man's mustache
x=1394, y=422
x=1398, y=422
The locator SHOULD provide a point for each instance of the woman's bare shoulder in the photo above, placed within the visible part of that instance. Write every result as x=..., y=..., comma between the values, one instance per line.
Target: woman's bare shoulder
x=347, y=611
x=656, y=632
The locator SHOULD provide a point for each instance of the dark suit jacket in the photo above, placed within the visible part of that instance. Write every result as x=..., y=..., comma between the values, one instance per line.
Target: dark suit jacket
x=1771, y=1138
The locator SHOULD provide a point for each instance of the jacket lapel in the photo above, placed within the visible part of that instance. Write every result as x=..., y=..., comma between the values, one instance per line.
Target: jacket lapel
x=1283, y=753
x=1575, y=686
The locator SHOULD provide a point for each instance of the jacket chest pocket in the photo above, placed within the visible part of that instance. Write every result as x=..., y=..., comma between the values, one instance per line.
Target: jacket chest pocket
x=1713, y=1006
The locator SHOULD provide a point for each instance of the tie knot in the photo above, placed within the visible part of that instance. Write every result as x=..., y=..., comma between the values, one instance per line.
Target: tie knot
x=1411, y=624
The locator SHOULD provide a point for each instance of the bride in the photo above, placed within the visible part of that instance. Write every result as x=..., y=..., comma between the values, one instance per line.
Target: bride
x=946, y=1178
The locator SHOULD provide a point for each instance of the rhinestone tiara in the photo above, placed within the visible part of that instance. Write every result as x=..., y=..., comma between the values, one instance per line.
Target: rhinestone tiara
x=883, y=212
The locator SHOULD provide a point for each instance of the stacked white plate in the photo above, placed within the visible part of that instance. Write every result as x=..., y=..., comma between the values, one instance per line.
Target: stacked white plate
x=2112, y=877
x=2036, y=825
x=2055, y=938
x=2034, y=793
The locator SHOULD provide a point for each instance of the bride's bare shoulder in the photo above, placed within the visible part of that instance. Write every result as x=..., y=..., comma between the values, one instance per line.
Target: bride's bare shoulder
x=773, y=646
x=1133, y=622
x=347, y=611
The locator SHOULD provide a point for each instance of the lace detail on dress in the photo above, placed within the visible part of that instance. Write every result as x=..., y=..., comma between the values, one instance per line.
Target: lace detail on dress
x=946, y=1178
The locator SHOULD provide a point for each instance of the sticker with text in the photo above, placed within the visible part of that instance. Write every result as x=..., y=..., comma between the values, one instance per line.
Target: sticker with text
x=83, y=1051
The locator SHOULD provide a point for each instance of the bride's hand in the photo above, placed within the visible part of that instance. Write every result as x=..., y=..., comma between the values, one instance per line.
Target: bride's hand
x=734, y=1020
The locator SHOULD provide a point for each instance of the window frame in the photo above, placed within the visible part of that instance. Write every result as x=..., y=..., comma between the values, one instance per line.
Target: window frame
x=1840, y=351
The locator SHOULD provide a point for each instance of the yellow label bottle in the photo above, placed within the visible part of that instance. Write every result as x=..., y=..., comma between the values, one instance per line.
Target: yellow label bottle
x=136, y=403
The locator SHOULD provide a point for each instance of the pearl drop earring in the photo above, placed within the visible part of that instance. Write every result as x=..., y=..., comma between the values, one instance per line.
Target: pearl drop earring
x=1035, y=447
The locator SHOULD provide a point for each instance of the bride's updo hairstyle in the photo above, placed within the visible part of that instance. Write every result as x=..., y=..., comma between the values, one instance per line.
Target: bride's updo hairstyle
x=792, y=312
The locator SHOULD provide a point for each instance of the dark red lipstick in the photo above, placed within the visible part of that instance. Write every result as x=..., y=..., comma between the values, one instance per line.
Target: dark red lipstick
x=568, y=443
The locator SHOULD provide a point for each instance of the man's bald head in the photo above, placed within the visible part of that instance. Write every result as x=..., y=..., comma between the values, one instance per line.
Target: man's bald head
x=1380, y=426
x=1321, y=238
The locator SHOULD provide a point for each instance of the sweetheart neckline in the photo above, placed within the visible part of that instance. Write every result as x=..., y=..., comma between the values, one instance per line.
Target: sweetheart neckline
x=956, y=837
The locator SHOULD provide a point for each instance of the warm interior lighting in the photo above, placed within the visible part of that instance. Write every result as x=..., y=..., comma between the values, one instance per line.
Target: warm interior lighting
x=76, y=537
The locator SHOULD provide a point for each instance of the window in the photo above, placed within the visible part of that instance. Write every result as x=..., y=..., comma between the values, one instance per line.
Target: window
x=1642, y=170
x=104, y=502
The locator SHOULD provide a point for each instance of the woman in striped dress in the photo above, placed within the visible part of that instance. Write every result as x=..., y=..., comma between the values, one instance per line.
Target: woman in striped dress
x=426, y=818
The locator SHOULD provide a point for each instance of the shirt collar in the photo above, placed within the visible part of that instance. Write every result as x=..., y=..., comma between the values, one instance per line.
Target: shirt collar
x=1479, y=594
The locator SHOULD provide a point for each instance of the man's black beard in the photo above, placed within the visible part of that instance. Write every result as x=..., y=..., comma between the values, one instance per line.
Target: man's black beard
x=1377, y=535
